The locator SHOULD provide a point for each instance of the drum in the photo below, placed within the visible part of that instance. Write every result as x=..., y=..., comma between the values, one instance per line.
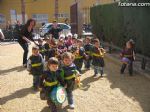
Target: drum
x=58, y=95
x=125, y=60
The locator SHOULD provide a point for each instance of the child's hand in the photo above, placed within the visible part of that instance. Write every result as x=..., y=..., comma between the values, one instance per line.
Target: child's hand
x=35, y=43
x=121, y=55
x=78, y=75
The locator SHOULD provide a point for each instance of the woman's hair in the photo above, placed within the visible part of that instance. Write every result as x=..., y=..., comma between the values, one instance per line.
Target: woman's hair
x=29, y=21
x=53, y=60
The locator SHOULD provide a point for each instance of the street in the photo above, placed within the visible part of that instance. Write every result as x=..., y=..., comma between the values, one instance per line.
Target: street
x=112, y=93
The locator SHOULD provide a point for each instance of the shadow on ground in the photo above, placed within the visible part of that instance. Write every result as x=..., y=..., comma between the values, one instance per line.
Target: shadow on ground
x=17, y=94
x=64, y=109
x=136, y=87
x=86, y=83
x=18, y=69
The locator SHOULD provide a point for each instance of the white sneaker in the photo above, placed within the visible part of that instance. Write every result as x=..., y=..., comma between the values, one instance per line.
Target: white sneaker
x=72, y=106
x=96, y=76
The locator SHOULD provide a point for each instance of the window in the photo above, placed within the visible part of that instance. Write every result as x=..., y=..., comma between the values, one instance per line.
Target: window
x=40, y=18
x=2, y=19
x=49, y=26
x=64, y=26
x=62, y=15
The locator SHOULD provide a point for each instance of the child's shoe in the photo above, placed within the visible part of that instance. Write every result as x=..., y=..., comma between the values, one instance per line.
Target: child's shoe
x=34, y=88
x=25, y=65
x=71, y=106
x=96, y=76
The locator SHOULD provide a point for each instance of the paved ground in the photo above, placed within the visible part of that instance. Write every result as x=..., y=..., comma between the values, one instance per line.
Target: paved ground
x=113, y=93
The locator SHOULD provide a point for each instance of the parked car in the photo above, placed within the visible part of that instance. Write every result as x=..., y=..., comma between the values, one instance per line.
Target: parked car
x=85, y=34
x=65, y=28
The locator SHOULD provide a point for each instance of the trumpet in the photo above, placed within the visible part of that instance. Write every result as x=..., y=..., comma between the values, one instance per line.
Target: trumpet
x=78, y=82
x=101, y=51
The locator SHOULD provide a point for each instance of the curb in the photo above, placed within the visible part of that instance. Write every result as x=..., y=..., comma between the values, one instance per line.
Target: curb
x=116, y=61
x=7, y=43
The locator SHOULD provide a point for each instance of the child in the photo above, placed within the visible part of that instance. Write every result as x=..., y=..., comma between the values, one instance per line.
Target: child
x=70, y=72
x=68, y=42
x=35, y=66
x=53, y=52
x=74, y=43
x=50, y=79
x=62, y=36
x=79, y=55
x=41, y=47
x=61, y=47
x=128, y=57
x=46, y=47
x=88, y=46
x=97, y=58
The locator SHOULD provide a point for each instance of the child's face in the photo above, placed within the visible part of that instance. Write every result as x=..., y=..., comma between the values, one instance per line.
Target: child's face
x=74, y=41
x=69, y=38
x=97, y=44
x=87, y=41
x=53, y=67
x=77, y=51
x=35, y=52
x=67, y=61
x=60, y=43
x=79, y=43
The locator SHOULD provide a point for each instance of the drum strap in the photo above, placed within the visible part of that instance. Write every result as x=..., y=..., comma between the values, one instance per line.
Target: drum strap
x=97, y=55
x=42, y=50
x=50, y=83
x=88, y=52
x=78, y=57
x=70, y=77
x=36, y=64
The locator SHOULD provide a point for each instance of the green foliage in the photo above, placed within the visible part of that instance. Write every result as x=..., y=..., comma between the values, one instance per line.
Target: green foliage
x=119, y=24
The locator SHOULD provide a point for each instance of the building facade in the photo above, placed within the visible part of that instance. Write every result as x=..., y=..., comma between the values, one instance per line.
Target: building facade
x=44, y=10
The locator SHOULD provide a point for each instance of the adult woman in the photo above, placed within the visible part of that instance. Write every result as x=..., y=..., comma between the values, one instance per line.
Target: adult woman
x=26, y=37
